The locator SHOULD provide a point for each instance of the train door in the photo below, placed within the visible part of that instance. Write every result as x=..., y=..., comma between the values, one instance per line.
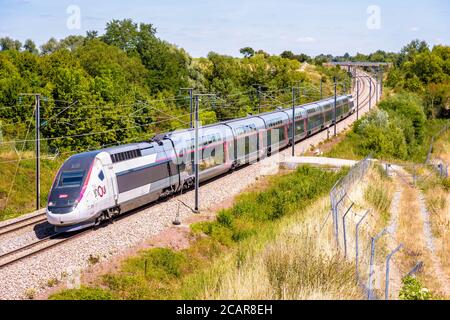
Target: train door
x=269, y=142
x=258, y=145
x=172, y=166
x=247, y=148
x=102, y=181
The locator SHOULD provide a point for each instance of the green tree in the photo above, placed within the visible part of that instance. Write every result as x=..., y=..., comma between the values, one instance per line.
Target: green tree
x=10, y=44
x=287, y=54
x=50, y=46
x=247, y=52
x=30, y=46
x=126, y=35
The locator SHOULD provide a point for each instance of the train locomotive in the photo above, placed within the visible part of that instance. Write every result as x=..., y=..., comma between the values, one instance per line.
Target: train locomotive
x=94, y=186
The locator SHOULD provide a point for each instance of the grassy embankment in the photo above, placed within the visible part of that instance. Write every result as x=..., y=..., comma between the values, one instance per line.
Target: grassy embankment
x=22, y=179
x=269, y=245
x=398, y=131
x=437, y=196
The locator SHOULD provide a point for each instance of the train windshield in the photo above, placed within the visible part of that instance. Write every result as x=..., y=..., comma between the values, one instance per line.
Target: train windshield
x=70, y=180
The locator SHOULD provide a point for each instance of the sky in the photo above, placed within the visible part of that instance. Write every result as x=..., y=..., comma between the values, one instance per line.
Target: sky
x=225, y=26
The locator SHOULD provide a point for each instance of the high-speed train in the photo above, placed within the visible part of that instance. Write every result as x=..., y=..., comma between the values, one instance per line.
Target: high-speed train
x=98, y=185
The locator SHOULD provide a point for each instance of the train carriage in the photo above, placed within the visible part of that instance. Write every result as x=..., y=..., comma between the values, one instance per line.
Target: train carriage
x=215, y=143
x=276, y=136
x=300, y=123
x=328, y=110
x=249, y=144
x=315, y=120
x=97, y=185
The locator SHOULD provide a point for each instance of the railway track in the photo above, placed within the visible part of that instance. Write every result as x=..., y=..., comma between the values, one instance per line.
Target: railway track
x=21, y=224
x=38, y=246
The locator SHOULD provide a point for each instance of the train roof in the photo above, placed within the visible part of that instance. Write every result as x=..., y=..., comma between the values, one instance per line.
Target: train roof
x=146, y=145
x=170, y=133
x=126, y=147
x=87, y=154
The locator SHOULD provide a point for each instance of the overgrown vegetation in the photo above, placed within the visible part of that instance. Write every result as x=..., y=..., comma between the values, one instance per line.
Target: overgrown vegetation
x=399, y=130
x=217, y=246
x=418, y=95
x=437, y=196
x=379, y=194
x=413, y=289
x=109, y=80
x=22, y=196
x=425, y=72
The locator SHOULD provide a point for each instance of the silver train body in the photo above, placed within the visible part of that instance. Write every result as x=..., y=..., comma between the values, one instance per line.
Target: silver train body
x=97, y=185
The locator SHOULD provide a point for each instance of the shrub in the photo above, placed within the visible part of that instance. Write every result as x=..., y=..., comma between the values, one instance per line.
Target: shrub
x=412, y=289
x=84, y=293
x=407, y=106
x=397, y=130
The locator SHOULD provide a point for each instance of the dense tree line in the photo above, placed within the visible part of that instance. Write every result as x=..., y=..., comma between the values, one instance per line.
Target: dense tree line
x=425, y=72
x=416, y=69
x=125, y=84
x=401, y=128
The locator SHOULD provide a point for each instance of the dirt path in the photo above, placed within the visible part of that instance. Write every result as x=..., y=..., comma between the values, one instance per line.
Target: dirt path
x=395, y=273
x=430, y=244
x=414, y=231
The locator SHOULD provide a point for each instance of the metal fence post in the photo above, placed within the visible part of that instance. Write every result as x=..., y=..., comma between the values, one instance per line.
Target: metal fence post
x=417, y=267
x=372, y=258
x=336, y=212
x=356, y=243
x=344, y=229
x=332, y=200
x=388, y=262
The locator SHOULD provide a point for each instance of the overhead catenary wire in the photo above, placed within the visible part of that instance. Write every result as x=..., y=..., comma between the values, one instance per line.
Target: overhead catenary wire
x=152, y=123
x=224, y=106
x=121, y=142
x=89, y=133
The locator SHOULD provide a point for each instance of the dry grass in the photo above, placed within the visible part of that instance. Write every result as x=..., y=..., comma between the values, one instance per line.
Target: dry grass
x=438, y=203
x=300, y=263
x=441, y=148
x=13, y=155
x=378, y=195
x=411, y=234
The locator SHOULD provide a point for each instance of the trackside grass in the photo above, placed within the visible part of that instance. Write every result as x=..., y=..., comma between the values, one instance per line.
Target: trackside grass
x=271, y=236
x=22, y=177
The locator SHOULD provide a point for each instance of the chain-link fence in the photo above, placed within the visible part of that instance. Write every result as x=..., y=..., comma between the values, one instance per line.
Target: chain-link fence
x=363, y=240
x=340, y=190
x=437, y=164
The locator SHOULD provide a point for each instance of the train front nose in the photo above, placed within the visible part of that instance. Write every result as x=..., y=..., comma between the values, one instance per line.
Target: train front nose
x=62, y=216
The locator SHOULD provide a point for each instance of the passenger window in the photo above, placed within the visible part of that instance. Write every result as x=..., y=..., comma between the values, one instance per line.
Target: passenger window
x=101, y=176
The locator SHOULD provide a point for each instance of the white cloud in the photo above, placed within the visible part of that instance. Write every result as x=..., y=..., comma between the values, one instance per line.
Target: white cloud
x=306, y=39
x=414, y=29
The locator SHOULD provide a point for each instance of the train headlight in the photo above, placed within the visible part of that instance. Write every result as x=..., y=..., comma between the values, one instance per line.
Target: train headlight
x=51, y=204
